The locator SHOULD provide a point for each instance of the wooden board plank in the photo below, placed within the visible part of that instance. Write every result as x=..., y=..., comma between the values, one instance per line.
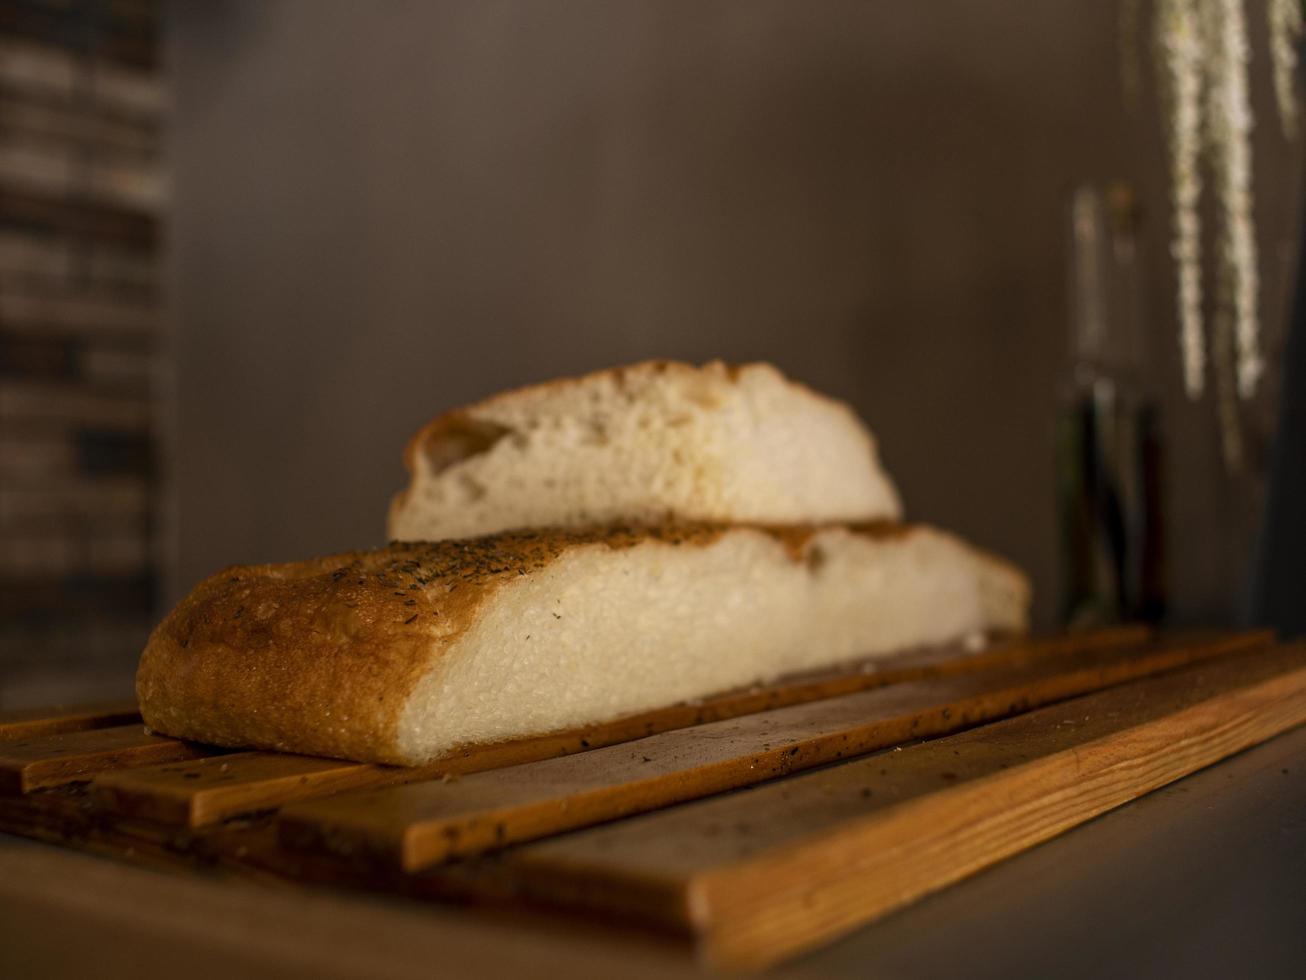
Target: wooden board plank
x=761, y=874
x=33, y=722
x=51, y=760
x=204, y=791
x=197, y=793
x=416, y=825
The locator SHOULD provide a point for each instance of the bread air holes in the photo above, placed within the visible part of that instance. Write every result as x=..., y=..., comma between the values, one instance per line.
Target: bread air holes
x=471, y=489
x=816, y=559
x=459, y=439
x=595, y=433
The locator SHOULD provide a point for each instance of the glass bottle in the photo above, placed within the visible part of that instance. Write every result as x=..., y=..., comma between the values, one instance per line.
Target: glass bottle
x=1109, y=439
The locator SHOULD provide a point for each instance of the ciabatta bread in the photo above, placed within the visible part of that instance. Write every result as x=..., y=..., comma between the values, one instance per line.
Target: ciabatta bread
x=651, y=443
x=401, y=654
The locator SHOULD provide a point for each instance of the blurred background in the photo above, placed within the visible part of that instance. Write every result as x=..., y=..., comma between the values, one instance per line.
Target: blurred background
x=247, y=248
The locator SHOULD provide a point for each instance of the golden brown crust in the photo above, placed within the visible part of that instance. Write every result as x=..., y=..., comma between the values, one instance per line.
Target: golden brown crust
x=320, y=656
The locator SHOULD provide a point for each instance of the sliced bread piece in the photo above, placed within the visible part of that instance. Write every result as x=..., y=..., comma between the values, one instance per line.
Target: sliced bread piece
x=655, y=442
x=401, y=654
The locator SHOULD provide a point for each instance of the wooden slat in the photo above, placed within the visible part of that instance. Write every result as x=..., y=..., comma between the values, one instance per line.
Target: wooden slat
x=51, y=760
x=761, y=874
x=33, y=722
x=417, y=825
x=205, y=791
x=198, y=793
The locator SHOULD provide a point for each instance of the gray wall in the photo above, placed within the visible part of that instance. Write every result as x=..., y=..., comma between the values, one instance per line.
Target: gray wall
x=386, y=209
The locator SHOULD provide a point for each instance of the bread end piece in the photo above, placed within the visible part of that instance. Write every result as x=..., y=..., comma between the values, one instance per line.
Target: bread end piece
x=653, y=442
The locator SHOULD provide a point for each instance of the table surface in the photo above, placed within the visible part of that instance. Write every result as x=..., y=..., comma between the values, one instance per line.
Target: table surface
x=1206, y=877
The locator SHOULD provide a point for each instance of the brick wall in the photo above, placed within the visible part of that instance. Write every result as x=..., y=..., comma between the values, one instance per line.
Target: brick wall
x=82, y=372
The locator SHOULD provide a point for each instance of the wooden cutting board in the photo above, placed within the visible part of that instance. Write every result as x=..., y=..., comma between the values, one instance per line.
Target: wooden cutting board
x=750, y=827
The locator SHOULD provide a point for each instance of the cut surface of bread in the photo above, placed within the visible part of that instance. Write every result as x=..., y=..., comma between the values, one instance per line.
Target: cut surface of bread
x=650, y=443
x=402, y=654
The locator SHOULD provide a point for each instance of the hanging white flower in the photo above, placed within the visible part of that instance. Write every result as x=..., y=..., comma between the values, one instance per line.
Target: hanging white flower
x=1285, y=22
x=1229, y=126
x=1204, y=55
x=1180, y=45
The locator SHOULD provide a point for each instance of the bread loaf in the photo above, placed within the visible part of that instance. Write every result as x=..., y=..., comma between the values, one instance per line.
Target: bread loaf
x=401, y=654
x=651, y=443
